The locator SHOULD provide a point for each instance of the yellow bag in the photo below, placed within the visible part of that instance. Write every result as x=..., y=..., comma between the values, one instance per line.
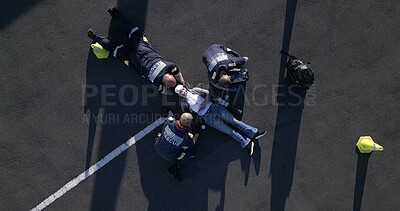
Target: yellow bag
x=99, y=51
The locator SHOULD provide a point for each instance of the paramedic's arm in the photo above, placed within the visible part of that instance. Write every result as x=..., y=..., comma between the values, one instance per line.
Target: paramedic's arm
x=218, y=86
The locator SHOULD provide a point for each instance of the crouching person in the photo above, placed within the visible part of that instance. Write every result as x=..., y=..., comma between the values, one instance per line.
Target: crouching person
x=176, y=143
x=226, y=68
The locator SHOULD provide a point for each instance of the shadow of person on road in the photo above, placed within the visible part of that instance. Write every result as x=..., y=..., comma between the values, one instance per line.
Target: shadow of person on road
x=290, y=106
x=238, y=100
x=11, y=10
x=117, y=100
x=284, y=146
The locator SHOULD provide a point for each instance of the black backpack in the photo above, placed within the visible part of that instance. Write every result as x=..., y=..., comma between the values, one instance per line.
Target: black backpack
x=299, y=73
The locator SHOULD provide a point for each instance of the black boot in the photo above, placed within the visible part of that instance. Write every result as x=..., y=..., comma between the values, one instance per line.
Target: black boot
x=92, y=34
x=112, y=11
x=259, y=134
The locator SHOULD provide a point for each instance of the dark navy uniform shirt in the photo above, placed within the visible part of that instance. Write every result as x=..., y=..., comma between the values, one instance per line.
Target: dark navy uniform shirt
x=153, y=65
x=218, y=57
x=172, y=140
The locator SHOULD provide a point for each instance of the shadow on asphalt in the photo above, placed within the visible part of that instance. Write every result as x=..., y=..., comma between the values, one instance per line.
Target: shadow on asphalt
x=113, y=101
x=238, y=100
x=361, y=174
x=120, y=103
x=11, y=10
x=287, y=125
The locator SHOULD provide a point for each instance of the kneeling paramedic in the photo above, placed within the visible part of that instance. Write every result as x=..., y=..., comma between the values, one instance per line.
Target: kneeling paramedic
x=176, y=143
x=225, y=67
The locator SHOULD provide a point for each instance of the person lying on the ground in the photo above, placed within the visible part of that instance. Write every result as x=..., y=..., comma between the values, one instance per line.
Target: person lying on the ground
x=225, y=67
x=141, y=56
x=216, y=116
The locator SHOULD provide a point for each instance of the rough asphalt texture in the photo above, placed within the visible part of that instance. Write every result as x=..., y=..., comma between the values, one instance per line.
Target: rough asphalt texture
x=307, y=160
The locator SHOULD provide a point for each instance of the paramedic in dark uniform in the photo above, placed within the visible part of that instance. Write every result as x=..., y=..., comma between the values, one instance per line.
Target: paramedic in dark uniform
x=223, y=65
x=141, y=56
x=176, y=143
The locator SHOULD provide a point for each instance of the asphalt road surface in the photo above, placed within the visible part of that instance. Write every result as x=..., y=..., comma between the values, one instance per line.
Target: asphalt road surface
x=62, y=109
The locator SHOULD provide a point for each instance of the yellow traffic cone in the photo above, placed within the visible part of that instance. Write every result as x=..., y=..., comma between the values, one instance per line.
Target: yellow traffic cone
x=366, y=145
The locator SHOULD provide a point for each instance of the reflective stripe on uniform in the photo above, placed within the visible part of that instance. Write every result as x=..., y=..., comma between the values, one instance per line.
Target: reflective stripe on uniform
x=216, y=60
x=181, y=156
x=116, y=49
x=156, y=69
x=132, y=31
x=214, y=75
x=171, y=137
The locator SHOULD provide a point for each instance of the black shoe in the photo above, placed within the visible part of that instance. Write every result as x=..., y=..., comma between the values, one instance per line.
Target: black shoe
x=91, y=34
x=259, y=135
x=112, y=10
x=250, y=148
x=174, y=172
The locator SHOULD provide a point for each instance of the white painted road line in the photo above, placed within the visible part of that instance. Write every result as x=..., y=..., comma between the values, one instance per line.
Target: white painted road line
x=71, y=184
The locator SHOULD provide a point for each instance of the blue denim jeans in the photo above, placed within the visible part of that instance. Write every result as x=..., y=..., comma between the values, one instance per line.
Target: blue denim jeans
x=218, y=117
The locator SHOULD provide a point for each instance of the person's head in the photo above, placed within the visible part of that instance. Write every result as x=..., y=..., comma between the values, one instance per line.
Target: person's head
x=186, y=119
x=168, y=80
x=224, y=81
x=180, y=90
